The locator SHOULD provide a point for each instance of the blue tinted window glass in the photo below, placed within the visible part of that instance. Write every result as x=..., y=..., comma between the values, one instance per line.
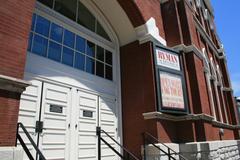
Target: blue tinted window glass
x=54, y=51
x=90, y=65
x=40, y=45
x=33, y=21
x=56, y=32
x=90, y=49
x=69, y=38
x=79, y=61
x=80, y=44
x=30, y=41
x=42, y=26
x=67, y=57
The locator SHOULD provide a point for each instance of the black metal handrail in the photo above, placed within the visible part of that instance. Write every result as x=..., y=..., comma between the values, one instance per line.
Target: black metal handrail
x=41, y=156
x=127, y=155
x=169, y=151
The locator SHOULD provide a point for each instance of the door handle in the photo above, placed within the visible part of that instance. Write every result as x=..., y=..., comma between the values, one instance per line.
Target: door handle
x=76, y=126
x=34, y=133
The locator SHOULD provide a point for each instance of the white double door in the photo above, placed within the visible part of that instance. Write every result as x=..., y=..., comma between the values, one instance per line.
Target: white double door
x=69, y=117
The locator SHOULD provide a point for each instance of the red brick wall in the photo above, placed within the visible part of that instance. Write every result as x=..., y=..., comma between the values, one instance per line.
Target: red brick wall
x=151, y=8
x=138, y=93
x=9, y=106
x=15, y=22
x=140, y=11
x=191, y=24
x=171, y=23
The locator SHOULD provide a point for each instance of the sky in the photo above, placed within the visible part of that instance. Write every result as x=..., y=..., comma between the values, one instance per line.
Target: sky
x=227, y=19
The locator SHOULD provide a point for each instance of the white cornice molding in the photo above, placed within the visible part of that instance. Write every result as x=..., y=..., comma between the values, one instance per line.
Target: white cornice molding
x=13, y=84
x=149, y=32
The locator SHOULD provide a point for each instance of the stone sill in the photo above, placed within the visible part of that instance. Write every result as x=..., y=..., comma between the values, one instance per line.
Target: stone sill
x=189, y=117
x=13, y=84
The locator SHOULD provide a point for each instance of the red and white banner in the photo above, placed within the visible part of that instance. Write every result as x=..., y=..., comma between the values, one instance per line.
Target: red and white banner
x=171, y=90
x=167, y=60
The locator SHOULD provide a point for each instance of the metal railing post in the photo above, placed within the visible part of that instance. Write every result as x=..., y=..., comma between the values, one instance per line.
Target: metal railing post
x=144, y=147
x=17, y=134
x=98, y=130
x=169, y=154
x=169, y=150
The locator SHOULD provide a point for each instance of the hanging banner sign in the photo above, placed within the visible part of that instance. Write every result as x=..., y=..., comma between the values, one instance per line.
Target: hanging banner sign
x=167, y=59
x=171, y=89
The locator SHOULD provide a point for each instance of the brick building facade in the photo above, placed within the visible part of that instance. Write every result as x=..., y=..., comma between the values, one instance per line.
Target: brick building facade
x=132, y=30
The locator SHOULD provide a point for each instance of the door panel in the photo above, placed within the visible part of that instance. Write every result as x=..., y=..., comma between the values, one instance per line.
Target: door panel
x=70, y=117
x=87, y=121
x=108, y=122
x=55, y=114
x=29, y=112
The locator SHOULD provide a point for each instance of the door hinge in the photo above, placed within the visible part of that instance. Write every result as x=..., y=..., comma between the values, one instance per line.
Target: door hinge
x=39, y=127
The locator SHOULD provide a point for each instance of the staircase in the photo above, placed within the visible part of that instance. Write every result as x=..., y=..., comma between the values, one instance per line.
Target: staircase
x=19, y=138
x=125, y=154
x=166, y=152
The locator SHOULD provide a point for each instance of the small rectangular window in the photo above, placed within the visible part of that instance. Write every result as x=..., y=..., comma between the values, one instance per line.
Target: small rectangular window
x=79, y=61
x=67, y=8
x=90, y=49
x=56, y=32
x=69, y=38
x=90, y=65
x=108, y=72
x=67, y=57
x=40, y=45
x=54, y=51
x=42, y=26
x=80, y=44
x=108, y=57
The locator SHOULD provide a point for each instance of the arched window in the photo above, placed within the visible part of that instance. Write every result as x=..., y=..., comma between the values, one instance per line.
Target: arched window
x=76, y=11
x=59, y=43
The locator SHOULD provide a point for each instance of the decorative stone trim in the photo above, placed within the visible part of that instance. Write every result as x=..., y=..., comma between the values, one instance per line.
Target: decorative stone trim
x=13, y=84
x=163, y=116
x=149, y=32
x=227, y=89
x=189, y=117
x=209, y=150
x=163, y=1
x=188, y=49
x=206, y=37
x=11, y=153
x=224, y=125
